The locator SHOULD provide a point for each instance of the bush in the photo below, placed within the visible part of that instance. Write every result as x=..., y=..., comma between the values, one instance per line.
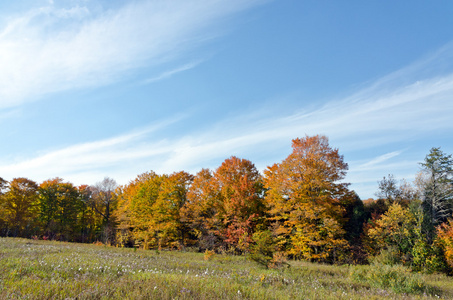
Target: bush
x=428, y=258
x=397, y=278
x=387, y=256
x=263, y=248
x=209, y=254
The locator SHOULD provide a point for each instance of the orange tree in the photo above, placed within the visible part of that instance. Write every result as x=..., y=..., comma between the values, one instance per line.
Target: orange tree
x=306, y=200
x=445, y=239
x=200, y=212
x=224, y=207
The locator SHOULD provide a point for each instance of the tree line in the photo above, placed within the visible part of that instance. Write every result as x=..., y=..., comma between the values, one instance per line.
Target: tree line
x=299, y=208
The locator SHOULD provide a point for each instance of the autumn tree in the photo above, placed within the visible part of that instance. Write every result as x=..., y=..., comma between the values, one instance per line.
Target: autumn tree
x=89, y=221
x=199, y=213
x=149, y=210
x=394, y=230
x=136, y=208
x=445, y=239
x=59, y=206
x=241, y=193
x=20, y=207
x=224, y=207
x=305, y=199
x=167, y=220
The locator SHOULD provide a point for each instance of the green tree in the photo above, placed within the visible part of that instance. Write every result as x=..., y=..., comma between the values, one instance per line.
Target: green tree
x=59, y=207
x=437, y=189
x=394, y=230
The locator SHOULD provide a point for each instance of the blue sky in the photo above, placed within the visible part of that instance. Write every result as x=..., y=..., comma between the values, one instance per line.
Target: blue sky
x=90, y=89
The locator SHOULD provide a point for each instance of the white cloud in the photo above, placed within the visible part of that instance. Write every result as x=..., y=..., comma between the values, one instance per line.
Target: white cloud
x=50, y=49
x=362, y=122
x=168, y=74
x=409, y=104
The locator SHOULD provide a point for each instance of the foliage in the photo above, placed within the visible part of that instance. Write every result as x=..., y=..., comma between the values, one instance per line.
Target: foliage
x=301, y=209
x=199, y=213
x=263, y=248
x=437, y=190
x=20, y=207
x=397, y=278
x=149, y=210
x=306, y=201
x=445, y=241
x=426, y=257
x=355, y=216
x=59, y=205
x=397, y=238
x=394, y=229
x=223, y=208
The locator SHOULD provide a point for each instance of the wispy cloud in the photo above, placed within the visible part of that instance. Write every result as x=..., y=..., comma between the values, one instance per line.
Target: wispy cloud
x=95, y=157
x=391, y=111
x=168, y=74
x=50, y=49
x=378, y=160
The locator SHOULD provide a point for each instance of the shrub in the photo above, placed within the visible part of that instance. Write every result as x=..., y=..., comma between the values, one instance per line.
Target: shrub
x=387, y=256
x=428, y=258
x=397, y=278
x=263, y=248
x=208, y=254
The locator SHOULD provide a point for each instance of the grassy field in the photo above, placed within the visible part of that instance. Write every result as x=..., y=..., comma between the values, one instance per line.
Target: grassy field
x=32, y=269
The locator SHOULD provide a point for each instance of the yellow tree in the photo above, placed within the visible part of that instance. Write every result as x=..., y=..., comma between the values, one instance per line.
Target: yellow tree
x=149, y=210
x=89, y=221
x=306, y=198
x=393, y=230
x=59, y=206
x=20, y=205
x=135, y=211
x=166, y=221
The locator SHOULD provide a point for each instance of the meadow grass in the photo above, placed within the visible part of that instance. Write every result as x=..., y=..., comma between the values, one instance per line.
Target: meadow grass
x=31, y=269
